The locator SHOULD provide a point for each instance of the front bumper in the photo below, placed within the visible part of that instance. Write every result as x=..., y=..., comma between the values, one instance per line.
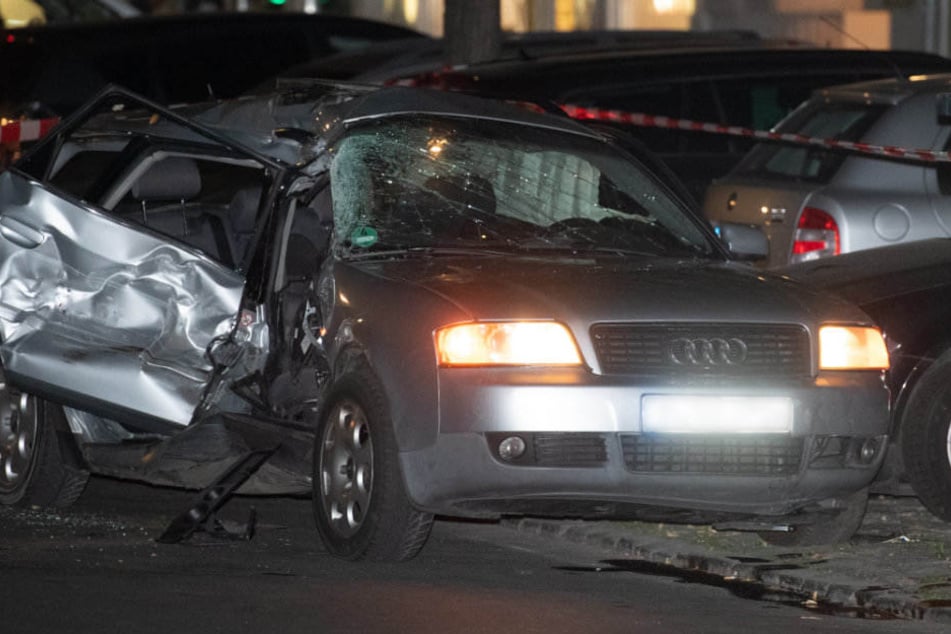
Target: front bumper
x=586, y=445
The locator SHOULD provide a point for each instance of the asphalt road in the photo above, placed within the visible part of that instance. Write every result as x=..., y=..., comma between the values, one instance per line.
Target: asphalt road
x=98, y=568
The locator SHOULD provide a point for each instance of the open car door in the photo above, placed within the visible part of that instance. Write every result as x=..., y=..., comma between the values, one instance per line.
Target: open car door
x=124, y=238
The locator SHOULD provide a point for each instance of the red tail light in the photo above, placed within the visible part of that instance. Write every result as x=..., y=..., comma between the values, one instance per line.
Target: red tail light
x=816, y=236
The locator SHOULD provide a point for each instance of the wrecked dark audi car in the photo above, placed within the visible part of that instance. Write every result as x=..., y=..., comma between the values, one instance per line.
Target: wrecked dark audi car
x=409, y=303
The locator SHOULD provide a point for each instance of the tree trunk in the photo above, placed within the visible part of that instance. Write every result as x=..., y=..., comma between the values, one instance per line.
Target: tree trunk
x=472, y=31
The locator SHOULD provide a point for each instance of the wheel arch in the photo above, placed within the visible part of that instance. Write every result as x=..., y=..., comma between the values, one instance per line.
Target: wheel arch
x=390, y=526
x=410, y=389
x=904, y=398
x=925, y=437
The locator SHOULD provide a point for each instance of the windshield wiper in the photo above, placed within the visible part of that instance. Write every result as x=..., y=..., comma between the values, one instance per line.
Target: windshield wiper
x=387, y=252
x=580, y=248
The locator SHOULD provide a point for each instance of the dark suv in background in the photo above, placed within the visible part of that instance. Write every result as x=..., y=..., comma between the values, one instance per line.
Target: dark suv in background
x=385, y=61
x=51, y=70
x=751, y=84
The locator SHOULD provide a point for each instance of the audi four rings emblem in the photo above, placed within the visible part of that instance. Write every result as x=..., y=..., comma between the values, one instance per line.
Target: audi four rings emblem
x=707, y=352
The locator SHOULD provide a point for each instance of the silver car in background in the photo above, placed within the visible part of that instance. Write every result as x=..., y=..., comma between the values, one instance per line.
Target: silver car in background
x=411, y=303
x=814, y=202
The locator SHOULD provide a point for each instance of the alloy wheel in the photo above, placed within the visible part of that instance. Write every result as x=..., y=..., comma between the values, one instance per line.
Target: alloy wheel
x=346, y=468
x=18, y=433
x=947, y=444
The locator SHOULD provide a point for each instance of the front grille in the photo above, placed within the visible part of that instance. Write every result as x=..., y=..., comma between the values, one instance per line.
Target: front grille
x=772, y=455
x=570, y=450
x=703, y=350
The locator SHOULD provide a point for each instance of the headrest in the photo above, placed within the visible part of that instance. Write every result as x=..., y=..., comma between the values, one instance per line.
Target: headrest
x=248, y=197
x=243, y=209
x=174, y=178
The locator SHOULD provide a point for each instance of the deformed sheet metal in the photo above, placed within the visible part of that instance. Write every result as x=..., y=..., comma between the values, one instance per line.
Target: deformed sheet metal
x=101, y=312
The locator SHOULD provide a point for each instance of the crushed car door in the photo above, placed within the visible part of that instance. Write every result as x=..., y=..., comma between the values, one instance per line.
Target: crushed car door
x=114, y=284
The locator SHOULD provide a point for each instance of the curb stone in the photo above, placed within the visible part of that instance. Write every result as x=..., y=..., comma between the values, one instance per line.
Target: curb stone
x=898, y=565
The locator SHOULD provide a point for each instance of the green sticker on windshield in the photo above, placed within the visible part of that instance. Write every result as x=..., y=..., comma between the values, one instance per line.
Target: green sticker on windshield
x=364, y=237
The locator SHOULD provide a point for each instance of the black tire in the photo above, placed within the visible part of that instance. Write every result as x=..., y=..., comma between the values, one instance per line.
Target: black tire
x=925, y=432
x=825, y=529
x=361, y=507
x=36, y=467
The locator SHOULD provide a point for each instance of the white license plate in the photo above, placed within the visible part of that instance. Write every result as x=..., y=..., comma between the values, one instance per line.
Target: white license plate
x=676, y=414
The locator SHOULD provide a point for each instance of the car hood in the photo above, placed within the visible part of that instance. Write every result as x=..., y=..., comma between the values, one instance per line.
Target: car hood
x=580, y=291
x=875, y=275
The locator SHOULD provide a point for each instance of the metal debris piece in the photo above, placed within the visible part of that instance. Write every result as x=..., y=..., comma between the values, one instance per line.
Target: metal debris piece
x=201, y=515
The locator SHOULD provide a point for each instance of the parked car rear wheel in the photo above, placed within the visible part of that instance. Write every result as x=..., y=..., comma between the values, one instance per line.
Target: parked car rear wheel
x=360, y=503
x=826, y=529
x=926, y=439
x=34, y=467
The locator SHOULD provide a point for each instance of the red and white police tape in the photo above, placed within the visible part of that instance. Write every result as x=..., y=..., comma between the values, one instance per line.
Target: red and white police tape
x=27, y=130
x=652, y=121
x=33, y=129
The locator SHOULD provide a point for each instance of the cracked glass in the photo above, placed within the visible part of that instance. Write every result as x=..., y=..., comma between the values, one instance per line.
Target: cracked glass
x=428, y=183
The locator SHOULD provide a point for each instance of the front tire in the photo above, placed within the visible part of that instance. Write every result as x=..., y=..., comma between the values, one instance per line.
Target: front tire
x=35, y=468
x=361, y=506
x=926, y=439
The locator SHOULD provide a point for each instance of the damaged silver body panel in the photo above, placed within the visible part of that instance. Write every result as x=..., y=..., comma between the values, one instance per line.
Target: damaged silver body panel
x=105, y=313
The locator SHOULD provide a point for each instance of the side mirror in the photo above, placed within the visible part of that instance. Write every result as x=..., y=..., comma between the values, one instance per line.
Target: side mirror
x=744, y=242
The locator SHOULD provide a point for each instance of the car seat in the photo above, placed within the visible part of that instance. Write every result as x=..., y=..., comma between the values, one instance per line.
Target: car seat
x=165, y=192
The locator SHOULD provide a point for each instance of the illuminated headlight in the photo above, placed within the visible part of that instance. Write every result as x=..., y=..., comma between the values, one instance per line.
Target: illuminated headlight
x=852, y=348
x=506, y=343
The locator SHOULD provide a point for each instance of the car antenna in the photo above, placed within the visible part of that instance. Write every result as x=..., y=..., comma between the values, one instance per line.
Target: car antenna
x=884, y=56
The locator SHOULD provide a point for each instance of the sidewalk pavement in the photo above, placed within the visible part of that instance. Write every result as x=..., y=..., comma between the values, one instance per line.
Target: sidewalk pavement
x=898, y=565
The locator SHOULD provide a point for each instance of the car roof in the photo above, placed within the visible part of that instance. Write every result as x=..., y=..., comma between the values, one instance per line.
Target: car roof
x=778, y=50
x=575, y=71
x=890, y=90
x=386, y=60
x=290, y=126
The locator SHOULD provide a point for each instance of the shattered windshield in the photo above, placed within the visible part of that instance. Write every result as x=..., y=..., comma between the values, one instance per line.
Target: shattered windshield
x=427, y=183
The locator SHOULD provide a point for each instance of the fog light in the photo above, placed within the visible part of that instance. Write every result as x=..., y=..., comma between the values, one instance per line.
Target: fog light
x=511, y=448
x=869, y=450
